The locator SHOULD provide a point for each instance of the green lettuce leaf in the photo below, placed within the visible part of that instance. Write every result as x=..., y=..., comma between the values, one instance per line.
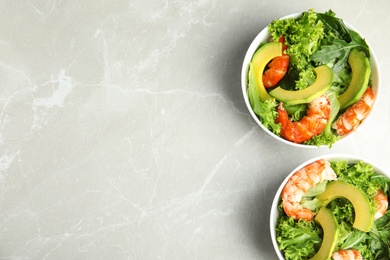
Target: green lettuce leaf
x=298, y=239
x=310, y=201
x=296, y=112
x=382, y=181
x=336, y=53
x=334, y=26
x=380, y=234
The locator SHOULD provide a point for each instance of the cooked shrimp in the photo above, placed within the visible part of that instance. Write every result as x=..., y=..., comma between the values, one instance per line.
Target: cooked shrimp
x=352, y=117
x=298, y=185
x=382, y=204
x=350, y=254
x=310, y=125
x=277, y=68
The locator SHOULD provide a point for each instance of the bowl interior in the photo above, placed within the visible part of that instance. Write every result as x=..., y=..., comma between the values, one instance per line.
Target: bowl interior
x=274, y=208
x=263, y=36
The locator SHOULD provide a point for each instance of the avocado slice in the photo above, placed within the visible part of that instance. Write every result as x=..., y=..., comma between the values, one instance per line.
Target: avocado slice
x=364, y=215
x=330, y=227
x=260, y=60
x=323, y=82
x=361, y=71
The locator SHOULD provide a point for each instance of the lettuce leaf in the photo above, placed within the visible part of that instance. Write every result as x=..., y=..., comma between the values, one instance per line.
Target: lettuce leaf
x=381, y=181
x=380, y=235
x=334, y=26
x=296, y=112
x=336, y=53
x=298, y=239
x=310, y=201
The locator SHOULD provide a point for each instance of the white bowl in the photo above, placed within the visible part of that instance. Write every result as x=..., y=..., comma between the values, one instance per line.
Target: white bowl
x=330, y=157
x=264, y=36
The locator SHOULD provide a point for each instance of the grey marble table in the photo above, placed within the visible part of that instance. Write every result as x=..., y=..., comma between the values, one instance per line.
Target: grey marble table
x=124, y=133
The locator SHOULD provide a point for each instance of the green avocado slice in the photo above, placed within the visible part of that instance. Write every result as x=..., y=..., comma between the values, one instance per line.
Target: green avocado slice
x=364, y=215
x=330, y=227
x=259, y=61
x=324, y=79
x=361, y=71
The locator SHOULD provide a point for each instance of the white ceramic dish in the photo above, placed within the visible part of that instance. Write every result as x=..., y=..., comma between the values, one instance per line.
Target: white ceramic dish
x=274, y=208
x=264, y=36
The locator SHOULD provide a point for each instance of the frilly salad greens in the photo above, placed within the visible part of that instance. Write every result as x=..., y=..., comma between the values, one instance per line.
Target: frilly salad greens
x=301, y=239
x=313, y=39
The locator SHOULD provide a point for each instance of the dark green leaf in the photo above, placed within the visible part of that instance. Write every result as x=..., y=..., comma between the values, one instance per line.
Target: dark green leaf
x=334, y=26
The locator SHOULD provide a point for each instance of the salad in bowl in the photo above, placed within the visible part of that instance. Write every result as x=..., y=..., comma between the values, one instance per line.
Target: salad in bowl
x=310, y=79
x=332, y=207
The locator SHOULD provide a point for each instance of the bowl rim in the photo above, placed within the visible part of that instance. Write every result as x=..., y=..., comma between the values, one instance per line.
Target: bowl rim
x=330, y=157
x=262, y=36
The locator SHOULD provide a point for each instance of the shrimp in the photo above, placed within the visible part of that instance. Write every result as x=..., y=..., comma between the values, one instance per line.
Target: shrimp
x=353, y=116
x=344, y=254
x=298, y=185
x=310, y=125
x=382, y=204
x=277, y=68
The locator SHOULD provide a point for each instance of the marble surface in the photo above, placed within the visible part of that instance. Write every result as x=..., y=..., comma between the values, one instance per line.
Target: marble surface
x=124, y=133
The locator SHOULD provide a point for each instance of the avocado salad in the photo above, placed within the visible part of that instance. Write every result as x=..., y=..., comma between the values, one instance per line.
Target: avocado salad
x=308, y=57
x=346, y=216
